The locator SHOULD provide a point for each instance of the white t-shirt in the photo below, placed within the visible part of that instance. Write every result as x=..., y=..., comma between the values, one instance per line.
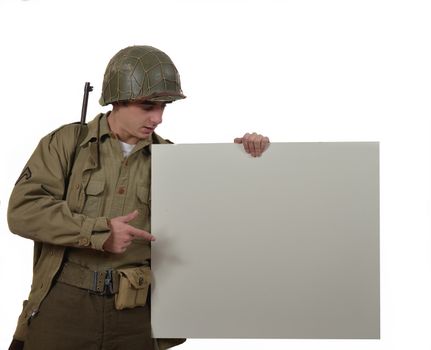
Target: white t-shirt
x=126, y=148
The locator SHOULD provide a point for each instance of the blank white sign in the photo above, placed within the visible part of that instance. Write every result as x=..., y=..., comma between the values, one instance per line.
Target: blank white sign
x=281, y=246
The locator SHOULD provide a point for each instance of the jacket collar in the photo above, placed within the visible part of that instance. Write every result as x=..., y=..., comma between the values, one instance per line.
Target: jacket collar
x=99, y=127
x=93, y=129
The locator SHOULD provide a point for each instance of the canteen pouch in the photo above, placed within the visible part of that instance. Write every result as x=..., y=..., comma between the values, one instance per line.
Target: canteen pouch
x=133, y=287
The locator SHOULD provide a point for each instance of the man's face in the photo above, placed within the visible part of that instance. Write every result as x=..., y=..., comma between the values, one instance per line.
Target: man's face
x=138, y=120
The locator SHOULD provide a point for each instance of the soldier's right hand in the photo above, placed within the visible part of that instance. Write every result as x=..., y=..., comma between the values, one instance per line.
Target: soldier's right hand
x=122, y=234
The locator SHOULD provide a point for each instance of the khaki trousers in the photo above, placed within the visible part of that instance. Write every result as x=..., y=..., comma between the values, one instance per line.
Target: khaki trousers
x=71, y=318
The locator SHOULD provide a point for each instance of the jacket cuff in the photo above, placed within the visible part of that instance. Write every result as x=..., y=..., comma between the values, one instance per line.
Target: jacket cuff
x=94, y=232
x=99, y=239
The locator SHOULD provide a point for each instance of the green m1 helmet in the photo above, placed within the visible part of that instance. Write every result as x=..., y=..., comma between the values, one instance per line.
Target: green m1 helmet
x=141, y=73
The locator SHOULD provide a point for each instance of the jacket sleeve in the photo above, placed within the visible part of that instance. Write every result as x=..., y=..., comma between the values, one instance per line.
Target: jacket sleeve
x=37, y=209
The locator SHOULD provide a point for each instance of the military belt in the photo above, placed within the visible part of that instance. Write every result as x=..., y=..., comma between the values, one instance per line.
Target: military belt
x=97, y=282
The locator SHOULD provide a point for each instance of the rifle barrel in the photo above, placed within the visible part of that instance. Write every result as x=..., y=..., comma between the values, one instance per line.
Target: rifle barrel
x=87, y=89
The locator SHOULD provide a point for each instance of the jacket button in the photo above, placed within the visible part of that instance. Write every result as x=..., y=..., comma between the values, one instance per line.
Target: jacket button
x=121, y=190
x=83, y=241
x=77, y=186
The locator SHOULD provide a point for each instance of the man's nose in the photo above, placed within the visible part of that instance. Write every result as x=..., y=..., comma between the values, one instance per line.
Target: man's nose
x=156, y=116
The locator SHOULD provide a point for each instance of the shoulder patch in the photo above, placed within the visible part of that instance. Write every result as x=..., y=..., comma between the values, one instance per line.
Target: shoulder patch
x=26, y=174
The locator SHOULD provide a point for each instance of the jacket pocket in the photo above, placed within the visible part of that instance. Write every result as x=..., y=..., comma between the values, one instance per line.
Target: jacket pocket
x=144, y=199
x=93, y=198
x=143, y=205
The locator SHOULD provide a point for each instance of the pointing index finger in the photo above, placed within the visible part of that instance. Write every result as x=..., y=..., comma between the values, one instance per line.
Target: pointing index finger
x=143, y=234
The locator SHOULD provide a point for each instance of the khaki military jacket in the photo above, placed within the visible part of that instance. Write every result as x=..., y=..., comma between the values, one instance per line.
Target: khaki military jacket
x=45, y=209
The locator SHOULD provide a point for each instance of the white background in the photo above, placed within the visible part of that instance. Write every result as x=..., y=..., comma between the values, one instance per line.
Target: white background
x=293, y=70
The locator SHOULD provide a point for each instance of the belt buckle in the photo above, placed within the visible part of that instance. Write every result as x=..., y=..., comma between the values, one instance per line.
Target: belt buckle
x=106, y=277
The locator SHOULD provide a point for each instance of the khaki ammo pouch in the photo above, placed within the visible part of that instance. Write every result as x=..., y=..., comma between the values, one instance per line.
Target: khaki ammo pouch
x=133, y=287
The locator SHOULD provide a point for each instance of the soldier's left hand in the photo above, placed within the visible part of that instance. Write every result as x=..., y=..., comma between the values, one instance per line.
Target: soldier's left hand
x=254, y=144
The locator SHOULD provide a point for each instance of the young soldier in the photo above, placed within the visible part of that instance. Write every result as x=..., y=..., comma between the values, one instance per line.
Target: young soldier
x=83, y=198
